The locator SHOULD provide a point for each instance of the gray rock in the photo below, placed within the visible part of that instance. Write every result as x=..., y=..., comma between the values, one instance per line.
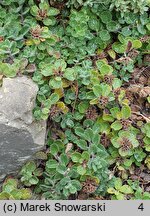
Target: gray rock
x=20, y=134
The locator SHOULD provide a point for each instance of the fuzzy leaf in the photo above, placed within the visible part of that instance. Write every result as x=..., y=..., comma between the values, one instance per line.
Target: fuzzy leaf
x=116, y=125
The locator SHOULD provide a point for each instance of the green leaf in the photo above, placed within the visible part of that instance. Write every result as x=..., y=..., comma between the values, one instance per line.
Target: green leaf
x=61, y=169
x=55, y=83
x=128, y=162
x=94, y=24
x=45, y=111
x=116, y=83
x=118, y=47
x=126, y=31
x=7, y=70
x=54, y=98
x=106, y=69
x=126, y=189
x=115, y=142
x=104, y=35
x=96, y=139
x=64, y=159
x=97, y=90
x=114, y=111
x=51, y=164
x=9, y=185
x=136, y=44
x=34, y=10
x=125, y=153
x=15, y=194
x=49, y=21
x=70, y=123
x=26, y=193
x=112, y=54
x=146, y=129
x=112, y=26
x=41, y=155
x=108, y=117
x=81, y=170
x=106, y=16
x=126, y=112
x=106, y=89
x=70, y=74
x=76, y=156
x=76, y=184
x=86, y=155
x=54, y=149
x=30, y=166
x=88, y=134
x=82, y=144
x=116, y=125
x=72, y=189
x=79, y=131
x=34, y=180
x=111, y=190
x=52, y=11
x=47, y=70
x=60, y=64
x=120, y=196
x=148, y=26
x=83, y=106
x=118, y=183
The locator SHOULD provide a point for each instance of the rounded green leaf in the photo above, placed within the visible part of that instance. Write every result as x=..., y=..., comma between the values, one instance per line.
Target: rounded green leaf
x=79, y=131
x=47, y=70
x=125, y=153
x=106, y=69
x=136, y=44
x=81, y=170
x=126, y=189
x=51, y=164
x=54, y=149
x=118, y=183
x=26, y=193
x=49, y=21
x=60, y=64
x=82, y=144
x=45, y=111
x=54, y=98
x=116, y=83
x=94, y=24
x=126, y=31
x=97, y=90
x=34, y=10
x=111, y=190
x=75, y=157
x=55, y=83
x=125, y=112
x=34, y=180
x=104, y=35
x=112, y=26
x=70, y=74
x=118, y=47
x=53, y=11
x=106, y=16
x=83, y=106
x=86, y=155
x=116, y=125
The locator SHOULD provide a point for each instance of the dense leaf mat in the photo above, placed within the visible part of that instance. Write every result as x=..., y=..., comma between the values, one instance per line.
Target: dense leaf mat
x=90, y=60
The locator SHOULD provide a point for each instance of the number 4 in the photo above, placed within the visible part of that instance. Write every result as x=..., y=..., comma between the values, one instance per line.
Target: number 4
x=141, y=207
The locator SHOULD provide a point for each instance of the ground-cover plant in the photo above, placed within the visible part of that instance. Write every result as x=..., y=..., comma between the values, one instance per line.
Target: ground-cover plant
x=90, y=60
x=130, y=189
x=11, y=191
